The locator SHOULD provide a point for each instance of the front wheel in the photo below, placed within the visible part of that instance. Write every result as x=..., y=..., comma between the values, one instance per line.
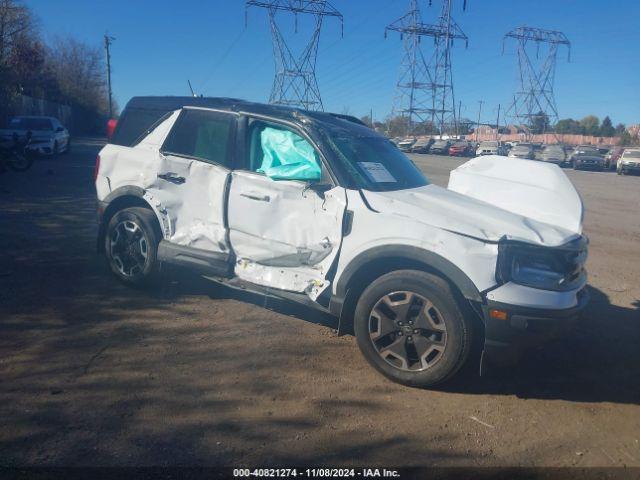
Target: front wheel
x=20, y=161
x=411, y=328
x=131, y=246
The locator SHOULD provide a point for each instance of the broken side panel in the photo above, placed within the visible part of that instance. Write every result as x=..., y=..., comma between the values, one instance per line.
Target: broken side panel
x=284, y=235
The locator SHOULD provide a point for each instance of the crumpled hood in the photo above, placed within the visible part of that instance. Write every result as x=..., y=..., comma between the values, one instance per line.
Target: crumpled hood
x=459, y=213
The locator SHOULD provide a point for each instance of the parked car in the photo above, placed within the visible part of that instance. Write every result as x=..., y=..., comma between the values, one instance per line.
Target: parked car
x=406, y=143
x=611, y=158
x=47, y=135
x=422, y=145
x=299, y=205
x=440, y=147
x=461, y=149
x=629, y=161
x=553, y=154
x=522, y=150
x=491, y=148
x=582, y=150
x=588, y=161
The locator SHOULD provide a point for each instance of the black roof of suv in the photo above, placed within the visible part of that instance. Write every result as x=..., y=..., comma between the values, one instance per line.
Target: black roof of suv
x=142, y=113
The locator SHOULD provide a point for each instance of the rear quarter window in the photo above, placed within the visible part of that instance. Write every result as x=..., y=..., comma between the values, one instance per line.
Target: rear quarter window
x=202, y=134
x=135, y=123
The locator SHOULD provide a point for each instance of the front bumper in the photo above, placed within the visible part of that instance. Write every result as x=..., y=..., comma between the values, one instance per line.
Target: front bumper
x=510, y=333
x=589, y=165
x=630, y=166
x=40, y=148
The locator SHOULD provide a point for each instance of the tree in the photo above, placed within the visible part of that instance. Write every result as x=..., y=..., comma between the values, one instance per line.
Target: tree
x=626, y=138
x=591, y=125
x=397, y=126
x=568, y=126
x=16, y=25
x=367, y=121
x=15, y=22
x=539, y=123
x=620, y=129
x=606, y=129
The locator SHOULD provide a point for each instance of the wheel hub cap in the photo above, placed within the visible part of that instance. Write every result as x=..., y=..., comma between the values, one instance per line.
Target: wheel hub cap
x=407, y=331
x=128, y=246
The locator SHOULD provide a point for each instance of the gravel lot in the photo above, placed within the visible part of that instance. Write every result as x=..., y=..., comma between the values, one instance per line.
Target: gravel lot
x=92, y=373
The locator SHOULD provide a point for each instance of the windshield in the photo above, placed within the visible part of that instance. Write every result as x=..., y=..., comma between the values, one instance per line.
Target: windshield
x=439, y=143
x=375, y=164
x=521, y=148
x=488, y=144
x=553, y=148
x=22, y=123
x=631, y=154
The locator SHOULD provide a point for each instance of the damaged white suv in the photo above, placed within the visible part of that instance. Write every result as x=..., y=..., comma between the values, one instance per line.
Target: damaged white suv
x=317, y=208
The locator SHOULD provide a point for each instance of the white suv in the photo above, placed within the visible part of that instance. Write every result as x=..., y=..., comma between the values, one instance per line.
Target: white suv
x=317, y=208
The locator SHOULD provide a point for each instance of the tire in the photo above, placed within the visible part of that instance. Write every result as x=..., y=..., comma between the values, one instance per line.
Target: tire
x=55, y=149
x=131, y=246
x=20, y=161
x=67, y=148
x=445, y=335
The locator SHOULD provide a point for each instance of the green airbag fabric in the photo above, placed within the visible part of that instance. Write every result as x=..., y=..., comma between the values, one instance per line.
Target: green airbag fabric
x=287, y=156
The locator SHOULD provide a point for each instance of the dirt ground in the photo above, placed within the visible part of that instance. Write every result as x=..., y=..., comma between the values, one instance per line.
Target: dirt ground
x=93, y=373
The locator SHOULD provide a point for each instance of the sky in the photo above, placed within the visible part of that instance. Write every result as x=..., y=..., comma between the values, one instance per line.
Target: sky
x=160, y=44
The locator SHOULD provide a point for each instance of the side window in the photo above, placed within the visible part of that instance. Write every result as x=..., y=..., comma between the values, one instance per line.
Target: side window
x=203, y=135
x=280, y=153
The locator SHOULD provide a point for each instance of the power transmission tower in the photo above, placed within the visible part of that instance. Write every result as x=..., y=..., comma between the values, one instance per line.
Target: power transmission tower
x=107, y=44
x=535, y=98
x=295, y=82
x=425, y=88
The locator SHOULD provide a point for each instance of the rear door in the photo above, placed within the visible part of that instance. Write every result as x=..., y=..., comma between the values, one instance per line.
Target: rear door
x=284, y=233
x=191, y=180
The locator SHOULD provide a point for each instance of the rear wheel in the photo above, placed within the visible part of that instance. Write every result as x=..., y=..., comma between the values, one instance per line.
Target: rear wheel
x=131, y=246
x=411, y=328
x=20, y=161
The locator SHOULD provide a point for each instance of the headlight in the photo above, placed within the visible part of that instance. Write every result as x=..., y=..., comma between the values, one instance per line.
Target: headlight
x=547, y=268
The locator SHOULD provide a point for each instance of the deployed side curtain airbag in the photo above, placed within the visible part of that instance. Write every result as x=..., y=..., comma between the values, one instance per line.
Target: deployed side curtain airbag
x=287, y=156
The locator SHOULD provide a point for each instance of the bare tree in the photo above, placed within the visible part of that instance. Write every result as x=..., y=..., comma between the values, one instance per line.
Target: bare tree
x=16, y=21
x=79, y=72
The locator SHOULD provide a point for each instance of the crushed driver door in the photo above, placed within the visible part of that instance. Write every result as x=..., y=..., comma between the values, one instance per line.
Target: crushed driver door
x=284, y=234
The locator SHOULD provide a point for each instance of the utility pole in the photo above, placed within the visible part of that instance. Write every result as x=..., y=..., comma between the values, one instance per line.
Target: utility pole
x=478, y=122
x=107, y=43
x=498, y=123
x=458, y=122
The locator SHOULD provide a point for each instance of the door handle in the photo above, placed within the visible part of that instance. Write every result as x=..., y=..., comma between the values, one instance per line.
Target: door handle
x=255, y=196
x=172, y=177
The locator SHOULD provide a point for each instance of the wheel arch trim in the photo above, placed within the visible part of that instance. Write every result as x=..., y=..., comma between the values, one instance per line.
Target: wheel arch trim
x=412, y=254
x=120, y=195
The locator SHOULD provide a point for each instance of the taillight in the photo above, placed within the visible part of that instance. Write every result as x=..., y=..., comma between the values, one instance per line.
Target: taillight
x=111, y=127
x=96, y=169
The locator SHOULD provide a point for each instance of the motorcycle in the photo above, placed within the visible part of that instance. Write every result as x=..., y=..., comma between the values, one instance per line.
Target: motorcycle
x=16, y=156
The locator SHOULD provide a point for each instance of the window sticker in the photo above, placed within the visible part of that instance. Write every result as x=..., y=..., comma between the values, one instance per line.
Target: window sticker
x=377, y=172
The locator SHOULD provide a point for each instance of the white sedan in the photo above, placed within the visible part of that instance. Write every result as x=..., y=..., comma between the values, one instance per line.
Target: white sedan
x=47, y=135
